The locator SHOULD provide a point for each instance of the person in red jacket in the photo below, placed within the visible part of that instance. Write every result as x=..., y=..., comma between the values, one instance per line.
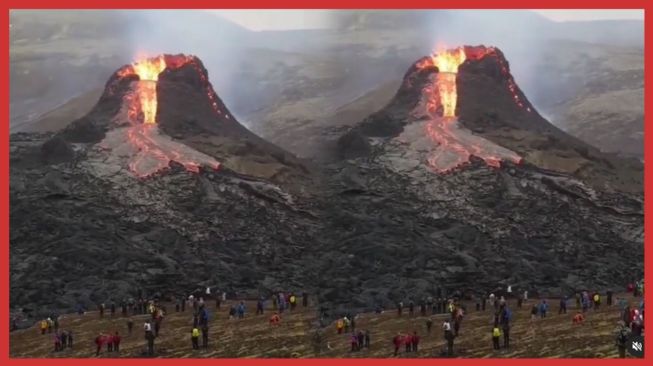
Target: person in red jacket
x=415, y=341
x=633, y=314
x=98, y=342
x=397, y=342
x=57, y=342
x=116, y=342
x=578, y=318
x=408, y=341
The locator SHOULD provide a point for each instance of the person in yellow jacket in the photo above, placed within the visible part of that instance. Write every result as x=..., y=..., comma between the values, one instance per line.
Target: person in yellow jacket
x=293, y=301
x=340, y=325
x=496, y=334
x=44, y=326
x=194, y=337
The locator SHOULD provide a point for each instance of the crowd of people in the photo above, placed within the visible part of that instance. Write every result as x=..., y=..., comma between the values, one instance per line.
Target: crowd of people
x=631, y=323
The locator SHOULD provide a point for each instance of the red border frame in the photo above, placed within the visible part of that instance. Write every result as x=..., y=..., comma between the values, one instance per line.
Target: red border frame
x=297, y=4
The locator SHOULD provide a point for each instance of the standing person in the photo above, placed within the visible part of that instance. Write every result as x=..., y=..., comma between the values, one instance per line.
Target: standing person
x=196, y=318
x=57, y=342
x=98, y=343
x=396, y=341
x=205, y=336
x=496, y=334
x=609, y=294
x=361, y=339
x=408, y=342
x=101, y=308
x=113, y=309
x=56, y=323
x=354, y=342
x=411, y=308
x=415, y=341
x=194, y=337
x=64, y=340
x=483, y=303
x=44, y=326
x=400, y=306
x=519, y=302
x=505, y=327
x=422, y=308
x=259, y=306
x=70, y=339
x=637, y=325
x=204, y=316
x=182, y=300
x=218, y=301
x=585, y=302
x=149, y=336
x=347, y=322
x=304, y=299
x=241, y=310
x=597, y=300
x=340, y=325
x=367, y=338
x=130, y=326
x=449, y=336
x=157, y=325
x=563, y=306
x=116, y=342
x=429, y=324
x=534, y=311
x=543, y=308
x=622, y=335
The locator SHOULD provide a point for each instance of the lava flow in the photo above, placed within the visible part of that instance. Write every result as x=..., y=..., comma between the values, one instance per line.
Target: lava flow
x=149, y=150
x=455, y=145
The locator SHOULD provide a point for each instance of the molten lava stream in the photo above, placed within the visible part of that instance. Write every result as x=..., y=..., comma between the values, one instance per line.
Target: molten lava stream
x=455, y=145
x=146, y=90
x=151, y=150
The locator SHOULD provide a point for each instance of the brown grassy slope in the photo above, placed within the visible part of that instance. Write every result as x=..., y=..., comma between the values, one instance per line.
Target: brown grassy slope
x=553, y=336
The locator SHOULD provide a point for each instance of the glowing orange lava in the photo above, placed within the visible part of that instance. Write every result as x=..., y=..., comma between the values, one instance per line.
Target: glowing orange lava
x=153, y=151
x=455, y=145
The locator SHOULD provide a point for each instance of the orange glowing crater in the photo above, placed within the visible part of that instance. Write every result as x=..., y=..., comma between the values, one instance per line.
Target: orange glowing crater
x=447, y=63
x=455, y=145
x=152, y=151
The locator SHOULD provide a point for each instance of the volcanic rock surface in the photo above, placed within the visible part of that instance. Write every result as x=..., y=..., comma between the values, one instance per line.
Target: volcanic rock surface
x=379, y=225
x=562, y=217
x=113, y=203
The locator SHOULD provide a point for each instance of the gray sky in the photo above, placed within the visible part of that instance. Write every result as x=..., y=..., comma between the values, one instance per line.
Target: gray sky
x=562, y=15
x=305, y=19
